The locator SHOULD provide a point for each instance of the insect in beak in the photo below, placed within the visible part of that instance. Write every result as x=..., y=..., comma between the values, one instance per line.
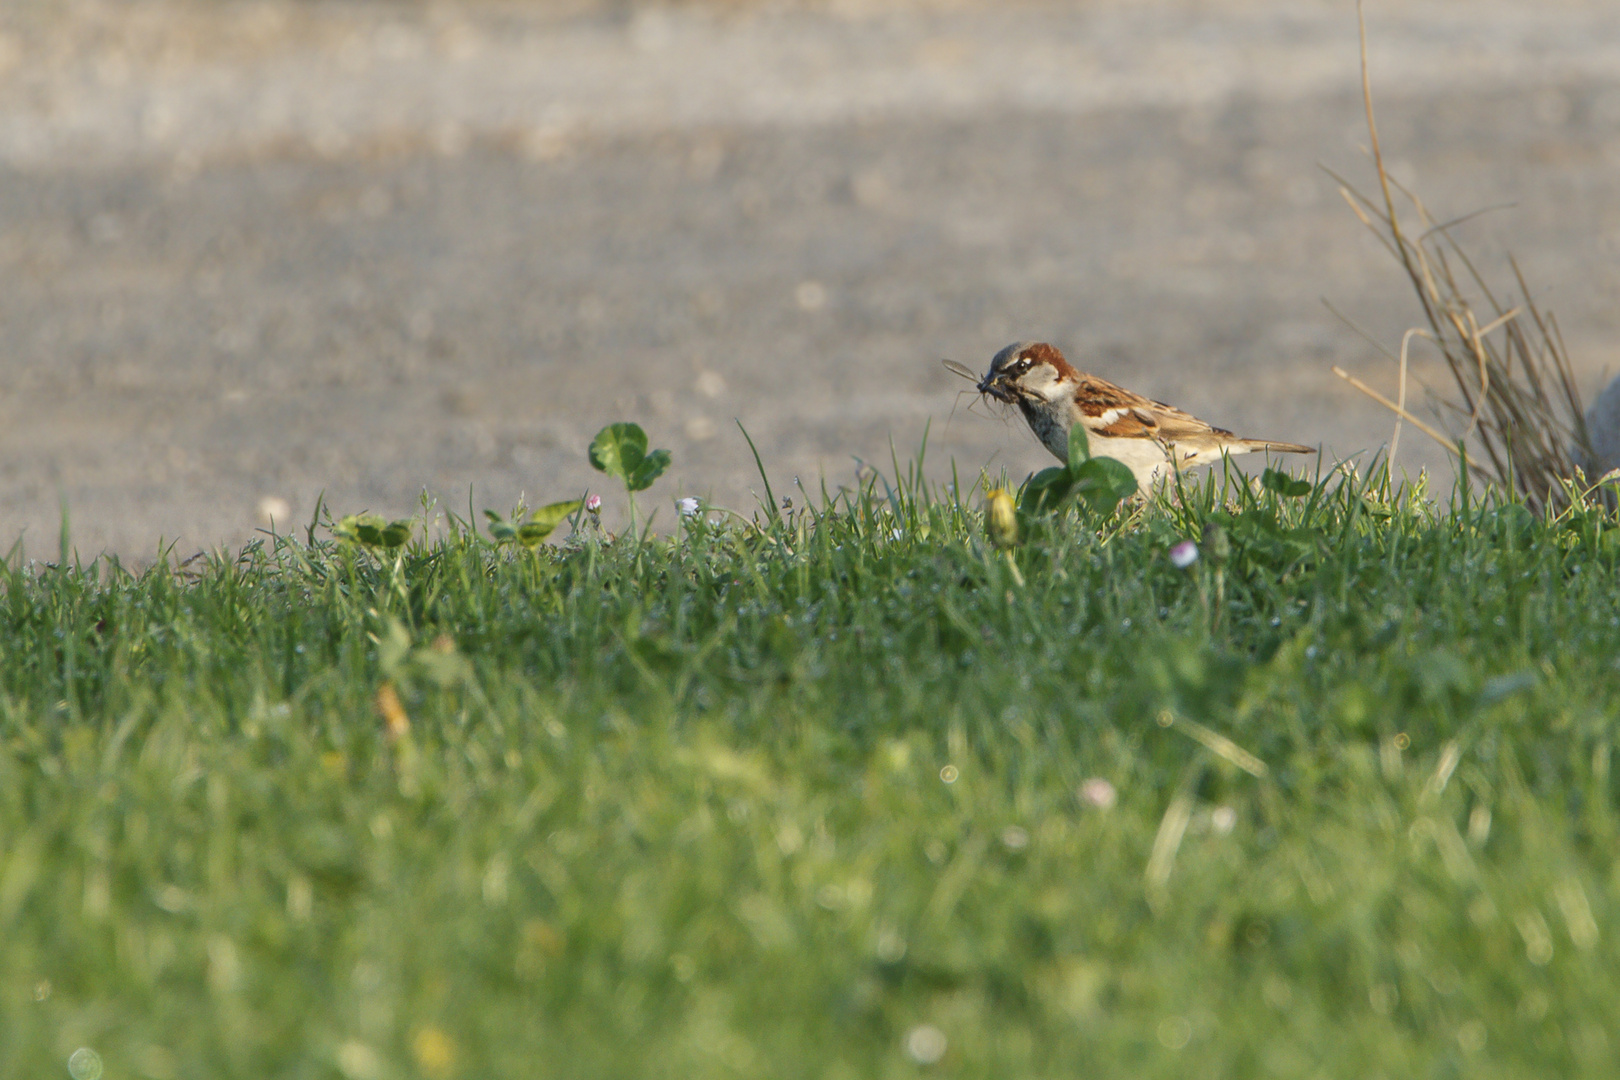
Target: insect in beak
x=983, y=386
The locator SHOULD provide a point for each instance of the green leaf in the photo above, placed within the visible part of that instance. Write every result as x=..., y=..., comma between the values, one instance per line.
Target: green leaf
x=1079, y=447
x=372, y=530
x=1283, y=484
x=554, y=514
x=533, y=532
x=501, y=530
x=619, y=450
x=531, y=535
x=1103, y=482
x=1044, y=492
x=651, y=468
x=395, y=533
x=1372, y=509
x=359, y=528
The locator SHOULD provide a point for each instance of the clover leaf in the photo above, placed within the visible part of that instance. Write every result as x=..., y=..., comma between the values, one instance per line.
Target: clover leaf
x=372, y=530
x=1079, y=446
x=1283, y=484
x=621, y=450
x=1102, y=482
x=533, y=532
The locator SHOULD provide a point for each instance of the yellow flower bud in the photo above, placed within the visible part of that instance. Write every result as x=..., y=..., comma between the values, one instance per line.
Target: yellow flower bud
x=1001, y=519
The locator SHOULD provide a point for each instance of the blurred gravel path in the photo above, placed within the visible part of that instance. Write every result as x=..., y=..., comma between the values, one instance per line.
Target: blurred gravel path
x=257, y=251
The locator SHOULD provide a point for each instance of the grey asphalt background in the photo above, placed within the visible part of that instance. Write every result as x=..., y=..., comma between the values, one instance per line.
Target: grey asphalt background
x=258, y=251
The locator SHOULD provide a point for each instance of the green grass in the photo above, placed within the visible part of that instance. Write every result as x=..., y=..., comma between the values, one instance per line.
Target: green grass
x=793, y=801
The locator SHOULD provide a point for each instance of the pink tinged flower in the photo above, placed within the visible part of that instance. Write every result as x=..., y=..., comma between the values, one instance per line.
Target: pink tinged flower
x=688, y=507
x=593, y=504
x=1184, y=555
x=1099, y=793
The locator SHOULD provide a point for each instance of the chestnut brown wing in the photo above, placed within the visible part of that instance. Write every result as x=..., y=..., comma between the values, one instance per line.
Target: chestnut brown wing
x=1114, y=412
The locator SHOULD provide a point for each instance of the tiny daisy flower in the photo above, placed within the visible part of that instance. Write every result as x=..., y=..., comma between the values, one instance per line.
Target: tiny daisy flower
x=1184, y=555
x=688, y=507
x=593, y=504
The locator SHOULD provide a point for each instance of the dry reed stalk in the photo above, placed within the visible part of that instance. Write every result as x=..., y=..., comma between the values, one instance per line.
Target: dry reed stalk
x=1525, y=428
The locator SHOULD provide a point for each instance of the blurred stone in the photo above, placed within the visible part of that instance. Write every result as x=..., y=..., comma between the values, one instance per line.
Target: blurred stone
x=1603, y=428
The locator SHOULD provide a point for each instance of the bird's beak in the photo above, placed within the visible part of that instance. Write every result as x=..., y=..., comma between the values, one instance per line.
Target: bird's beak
x=993, y=385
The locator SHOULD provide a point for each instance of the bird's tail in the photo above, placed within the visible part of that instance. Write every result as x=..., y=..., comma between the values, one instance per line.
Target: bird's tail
x=1277, y=447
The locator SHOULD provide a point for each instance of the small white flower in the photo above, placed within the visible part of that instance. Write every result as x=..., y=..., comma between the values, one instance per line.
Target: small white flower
x=1184, y=555
x=1099, y=793
x=593, y=504
x=688, y=507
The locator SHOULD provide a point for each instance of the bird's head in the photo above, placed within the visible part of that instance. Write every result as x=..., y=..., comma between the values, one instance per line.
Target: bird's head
x=1026, y=371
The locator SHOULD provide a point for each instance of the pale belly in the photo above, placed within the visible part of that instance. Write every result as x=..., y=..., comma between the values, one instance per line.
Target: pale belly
x=1144, y=457
x=1149, y=461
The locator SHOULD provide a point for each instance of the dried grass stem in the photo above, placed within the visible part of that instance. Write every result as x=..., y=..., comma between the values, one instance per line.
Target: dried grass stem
x=1523, y=424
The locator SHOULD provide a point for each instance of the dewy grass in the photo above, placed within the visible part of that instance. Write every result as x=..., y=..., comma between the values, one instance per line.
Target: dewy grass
x=828, y=796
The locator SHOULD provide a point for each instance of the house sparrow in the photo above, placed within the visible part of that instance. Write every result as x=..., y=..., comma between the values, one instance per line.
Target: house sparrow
x=1149, y=437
